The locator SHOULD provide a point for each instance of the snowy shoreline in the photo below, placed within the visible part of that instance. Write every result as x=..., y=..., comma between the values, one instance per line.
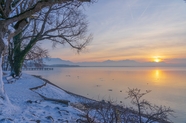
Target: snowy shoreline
x=73, y=94
x=37, y=100
x=29, y=106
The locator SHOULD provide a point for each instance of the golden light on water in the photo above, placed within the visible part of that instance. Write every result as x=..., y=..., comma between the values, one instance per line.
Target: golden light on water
x=158, y=77
x=157, y=74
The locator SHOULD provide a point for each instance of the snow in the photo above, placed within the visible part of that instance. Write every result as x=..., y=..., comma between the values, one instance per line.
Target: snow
x=29, y=106
x=36, y=100
x=55, y=92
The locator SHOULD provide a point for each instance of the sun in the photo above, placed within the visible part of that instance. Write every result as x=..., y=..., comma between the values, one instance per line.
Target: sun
x=157, y=59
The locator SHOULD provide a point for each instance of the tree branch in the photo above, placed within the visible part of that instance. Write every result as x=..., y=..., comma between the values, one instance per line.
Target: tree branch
x=37, y=7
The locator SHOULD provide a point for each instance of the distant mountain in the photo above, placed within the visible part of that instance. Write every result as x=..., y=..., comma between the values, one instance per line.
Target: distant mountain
x=178, y=61
x=56, y=61
x=61, y=65
x=154, y=64
x=132, y=63
x=111, y=63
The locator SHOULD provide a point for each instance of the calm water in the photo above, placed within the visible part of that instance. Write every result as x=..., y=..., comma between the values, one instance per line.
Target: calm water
x=168, y=85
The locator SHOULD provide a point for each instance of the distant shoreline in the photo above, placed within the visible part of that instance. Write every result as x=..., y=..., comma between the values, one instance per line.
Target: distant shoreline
x=115, y=66
x=136, y=66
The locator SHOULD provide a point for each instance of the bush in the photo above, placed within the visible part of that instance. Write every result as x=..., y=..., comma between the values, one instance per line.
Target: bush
x=110, y=112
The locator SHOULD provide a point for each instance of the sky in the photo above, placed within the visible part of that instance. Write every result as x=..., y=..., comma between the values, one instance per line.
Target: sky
x=141, y=30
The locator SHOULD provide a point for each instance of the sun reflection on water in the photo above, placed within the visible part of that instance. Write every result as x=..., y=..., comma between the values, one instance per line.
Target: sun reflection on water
x=157, y=76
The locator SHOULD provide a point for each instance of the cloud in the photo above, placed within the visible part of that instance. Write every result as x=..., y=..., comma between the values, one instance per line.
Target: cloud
x=135, y=28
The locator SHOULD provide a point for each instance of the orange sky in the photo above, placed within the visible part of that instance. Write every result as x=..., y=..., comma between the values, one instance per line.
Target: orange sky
x=139, y=30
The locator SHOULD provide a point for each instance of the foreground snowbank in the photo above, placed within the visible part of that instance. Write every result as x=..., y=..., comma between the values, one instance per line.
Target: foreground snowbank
x=30, y=106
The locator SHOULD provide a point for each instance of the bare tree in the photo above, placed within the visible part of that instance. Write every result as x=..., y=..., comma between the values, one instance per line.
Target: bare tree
x=59, y=23
x=35, y=56
x=9, y=16
x=110, y=112
x=32, y=58
x=152, y=113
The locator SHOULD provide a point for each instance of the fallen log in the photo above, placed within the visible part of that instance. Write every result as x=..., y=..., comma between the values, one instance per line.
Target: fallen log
x=66, y=102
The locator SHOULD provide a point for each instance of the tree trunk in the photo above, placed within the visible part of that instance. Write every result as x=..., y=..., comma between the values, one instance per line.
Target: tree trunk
x=17, y=65
x=1, y=79
x=2, y=47
x=4, y=100
x=5, y=105
x=16, y=56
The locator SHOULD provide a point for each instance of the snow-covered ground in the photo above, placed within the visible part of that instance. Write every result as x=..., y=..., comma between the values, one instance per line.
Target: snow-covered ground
x=36, y=100
x=28, y=105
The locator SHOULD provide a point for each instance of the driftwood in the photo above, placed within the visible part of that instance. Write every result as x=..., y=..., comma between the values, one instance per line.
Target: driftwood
x=66, y=102
x=35, y=88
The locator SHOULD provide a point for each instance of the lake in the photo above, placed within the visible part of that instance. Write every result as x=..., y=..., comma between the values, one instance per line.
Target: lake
x=168, y=85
